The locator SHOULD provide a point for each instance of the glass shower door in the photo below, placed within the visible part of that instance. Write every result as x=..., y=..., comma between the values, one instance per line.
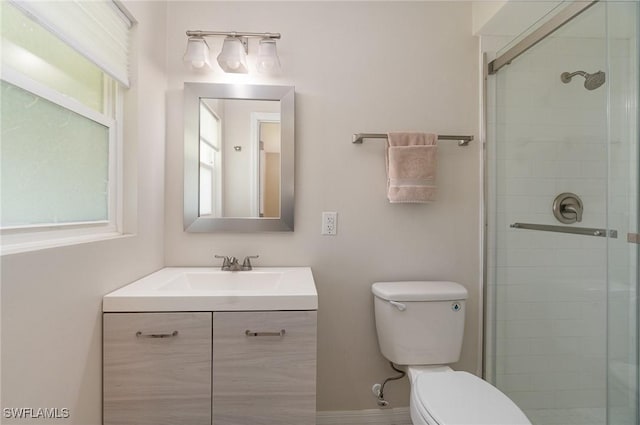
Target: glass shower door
x=622, y=204
x=564, y=136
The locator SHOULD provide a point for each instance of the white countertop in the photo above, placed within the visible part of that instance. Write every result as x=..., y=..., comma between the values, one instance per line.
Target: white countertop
x=210, y=289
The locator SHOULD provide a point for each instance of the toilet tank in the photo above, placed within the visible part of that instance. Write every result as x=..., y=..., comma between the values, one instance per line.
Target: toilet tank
x=420, y=322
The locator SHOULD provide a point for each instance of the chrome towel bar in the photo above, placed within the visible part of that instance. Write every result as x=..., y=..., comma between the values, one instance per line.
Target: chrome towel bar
x=359, y=137
x=587, y=231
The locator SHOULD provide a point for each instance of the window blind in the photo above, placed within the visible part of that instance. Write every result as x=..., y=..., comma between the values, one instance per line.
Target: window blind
x=98, y=30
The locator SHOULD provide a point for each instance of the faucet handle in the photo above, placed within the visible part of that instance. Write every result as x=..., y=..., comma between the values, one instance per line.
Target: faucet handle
x=246, y=264
x=226, y=261
x=572, y=208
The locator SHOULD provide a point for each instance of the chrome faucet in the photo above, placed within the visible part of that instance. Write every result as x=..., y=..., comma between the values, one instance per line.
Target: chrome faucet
x=246, y=264
x=231, y=264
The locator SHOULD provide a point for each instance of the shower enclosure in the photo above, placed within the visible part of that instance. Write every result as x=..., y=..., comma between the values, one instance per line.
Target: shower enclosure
x=562, y=216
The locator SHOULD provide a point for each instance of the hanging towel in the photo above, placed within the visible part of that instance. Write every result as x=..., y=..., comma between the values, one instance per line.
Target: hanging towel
x=411, y=160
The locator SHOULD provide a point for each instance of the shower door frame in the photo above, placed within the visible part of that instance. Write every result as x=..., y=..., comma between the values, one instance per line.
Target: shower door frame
x=552, y=25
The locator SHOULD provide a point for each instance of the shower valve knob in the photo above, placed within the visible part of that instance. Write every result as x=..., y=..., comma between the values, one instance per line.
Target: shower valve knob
x=567, y=208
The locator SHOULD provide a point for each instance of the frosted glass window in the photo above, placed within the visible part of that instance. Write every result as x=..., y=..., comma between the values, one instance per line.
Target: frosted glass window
x=54, y=163
x=206, y=189
x=60, y=138
x=39, y=55
x=97, y=29
x=209, y=162
x=207, y=178
x=207, y=154
x=209, y=127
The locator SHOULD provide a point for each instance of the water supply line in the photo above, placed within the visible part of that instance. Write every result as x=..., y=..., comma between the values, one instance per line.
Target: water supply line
x=378, y=390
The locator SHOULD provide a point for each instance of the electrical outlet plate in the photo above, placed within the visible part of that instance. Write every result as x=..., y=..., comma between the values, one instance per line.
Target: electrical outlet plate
x=329, y=223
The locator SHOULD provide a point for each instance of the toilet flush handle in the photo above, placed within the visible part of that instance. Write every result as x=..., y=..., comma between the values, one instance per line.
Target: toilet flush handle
x=399, y=306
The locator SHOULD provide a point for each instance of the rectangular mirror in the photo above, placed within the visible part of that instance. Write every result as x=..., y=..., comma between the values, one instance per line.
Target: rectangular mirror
x=238, y=158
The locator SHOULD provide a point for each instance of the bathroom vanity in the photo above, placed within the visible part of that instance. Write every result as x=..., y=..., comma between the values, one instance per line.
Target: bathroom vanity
x=200, y=346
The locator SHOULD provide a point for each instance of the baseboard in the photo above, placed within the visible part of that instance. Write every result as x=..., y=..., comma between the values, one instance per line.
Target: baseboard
x=396, y=416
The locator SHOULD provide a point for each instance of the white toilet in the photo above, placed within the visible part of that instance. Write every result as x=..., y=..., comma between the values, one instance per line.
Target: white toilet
x=420, y=325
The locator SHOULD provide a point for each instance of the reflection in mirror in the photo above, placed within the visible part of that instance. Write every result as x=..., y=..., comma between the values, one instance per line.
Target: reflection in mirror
x=210, y=163
x=270, y=167
x=238, y=158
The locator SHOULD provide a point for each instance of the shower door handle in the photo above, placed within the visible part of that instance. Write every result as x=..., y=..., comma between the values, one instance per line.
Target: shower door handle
x=586, y=231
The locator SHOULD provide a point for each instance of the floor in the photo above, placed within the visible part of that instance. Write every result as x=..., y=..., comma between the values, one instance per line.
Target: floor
x=581, y=416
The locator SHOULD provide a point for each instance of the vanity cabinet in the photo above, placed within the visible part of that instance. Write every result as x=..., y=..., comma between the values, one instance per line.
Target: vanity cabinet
x=264, y=368
x=157, y=368
x=221, y=368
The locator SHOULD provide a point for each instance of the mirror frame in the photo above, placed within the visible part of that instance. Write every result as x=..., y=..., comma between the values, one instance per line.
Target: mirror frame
x=193, y=222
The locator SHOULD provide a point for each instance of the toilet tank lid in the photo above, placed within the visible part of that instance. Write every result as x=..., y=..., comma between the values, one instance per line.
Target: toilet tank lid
x=419, y=291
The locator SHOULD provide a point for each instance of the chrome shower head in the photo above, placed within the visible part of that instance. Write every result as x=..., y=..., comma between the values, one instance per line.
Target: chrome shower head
x=591, y=81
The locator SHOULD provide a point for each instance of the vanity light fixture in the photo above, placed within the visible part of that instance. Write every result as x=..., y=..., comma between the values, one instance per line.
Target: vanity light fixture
x=197, y=53
x=268, y=61
x=233, y=57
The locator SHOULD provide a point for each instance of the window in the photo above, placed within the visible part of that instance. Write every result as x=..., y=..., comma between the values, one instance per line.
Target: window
x=210, y=169
x=60, y=125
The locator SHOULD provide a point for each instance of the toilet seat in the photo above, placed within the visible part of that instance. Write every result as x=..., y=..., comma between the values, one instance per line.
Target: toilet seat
x=460, y=398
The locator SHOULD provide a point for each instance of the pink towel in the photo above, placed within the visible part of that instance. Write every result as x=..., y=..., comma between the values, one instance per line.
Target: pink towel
x=411, y=160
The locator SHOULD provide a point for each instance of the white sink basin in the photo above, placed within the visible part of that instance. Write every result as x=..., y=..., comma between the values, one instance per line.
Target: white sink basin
x=259, y=281
x=210, y=289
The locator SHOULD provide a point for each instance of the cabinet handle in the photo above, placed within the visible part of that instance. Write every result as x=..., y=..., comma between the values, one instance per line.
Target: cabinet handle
x=139, y=334
x=251, y=333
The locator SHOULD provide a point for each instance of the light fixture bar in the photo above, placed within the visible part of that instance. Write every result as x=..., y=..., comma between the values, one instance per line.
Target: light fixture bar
x=198, y=33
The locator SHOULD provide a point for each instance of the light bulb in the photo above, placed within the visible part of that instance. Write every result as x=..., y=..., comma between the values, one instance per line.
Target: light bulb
x=265, y=63
x=197, y=53
x=233, y=57
x=268, y=61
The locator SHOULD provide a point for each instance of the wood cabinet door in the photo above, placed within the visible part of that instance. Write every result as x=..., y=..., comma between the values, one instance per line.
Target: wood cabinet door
x=264, y=368
x=157, y=368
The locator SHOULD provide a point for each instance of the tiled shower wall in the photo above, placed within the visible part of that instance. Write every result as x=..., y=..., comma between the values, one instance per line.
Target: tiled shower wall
x=551, y=289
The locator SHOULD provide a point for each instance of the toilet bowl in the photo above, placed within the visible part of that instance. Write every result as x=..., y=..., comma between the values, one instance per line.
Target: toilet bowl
x=460, y=398
x=420, y=325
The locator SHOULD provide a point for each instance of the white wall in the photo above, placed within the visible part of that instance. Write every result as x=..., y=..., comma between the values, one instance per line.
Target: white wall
x=509, y=18
x=51, y=299
x=482, y=13
x=357, y=67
